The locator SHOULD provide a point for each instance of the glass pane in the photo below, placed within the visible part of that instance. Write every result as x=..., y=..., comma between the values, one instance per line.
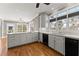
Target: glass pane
x=53, y=25
x=10, y=29
x=74, y=9
x=64, y=21
x=72, y=23
x=19, y=28
x=24, y=28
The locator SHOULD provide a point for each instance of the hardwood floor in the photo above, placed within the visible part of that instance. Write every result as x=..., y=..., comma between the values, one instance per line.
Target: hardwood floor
x=34, y=49
x=3, y=46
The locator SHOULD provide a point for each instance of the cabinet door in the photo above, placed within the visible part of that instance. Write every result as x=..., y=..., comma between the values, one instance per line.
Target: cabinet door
x=42, y=19
x=12, y=44
x=29, y=38
x=35, y=36
x=11, y=40
x=51, y=41
x=60, y=44
x=41, y=39
x=23, y=38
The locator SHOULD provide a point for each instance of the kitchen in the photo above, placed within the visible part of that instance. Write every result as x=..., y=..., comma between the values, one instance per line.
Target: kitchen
x=56, y=29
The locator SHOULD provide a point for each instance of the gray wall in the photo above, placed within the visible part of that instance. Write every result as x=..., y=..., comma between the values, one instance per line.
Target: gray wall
x=4, y=26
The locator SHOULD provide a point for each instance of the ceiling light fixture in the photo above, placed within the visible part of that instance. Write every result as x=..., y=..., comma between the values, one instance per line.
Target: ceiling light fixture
x=52, y=8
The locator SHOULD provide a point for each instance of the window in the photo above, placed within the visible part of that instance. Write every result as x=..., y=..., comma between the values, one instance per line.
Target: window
x=24, y=28
x=55, y=16
x=53, y=25
x=64, y=22
x=74, y=9
x=21, y=27
x=62, y=13
x=10, y=28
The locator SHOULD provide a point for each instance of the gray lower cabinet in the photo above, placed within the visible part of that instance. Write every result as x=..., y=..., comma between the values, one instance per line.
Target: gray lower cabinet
x=60, y=44
x=21, y=38
x=35, y=36
x=11, y=45
x=51, y=41
x=57, y=43
x=18, y=39
x=28, y=38
x=11, y=40
x=41, y=39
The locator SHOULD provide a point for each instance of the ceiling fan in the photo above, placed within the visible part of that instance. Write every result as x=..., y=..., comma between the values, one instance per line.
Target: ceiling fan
x=37, y=4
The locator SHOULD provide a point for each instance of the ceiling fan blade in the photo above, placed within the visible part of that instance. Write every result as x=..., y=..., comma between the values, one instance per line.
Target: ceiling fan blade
x=37, y=5
x=47, y=3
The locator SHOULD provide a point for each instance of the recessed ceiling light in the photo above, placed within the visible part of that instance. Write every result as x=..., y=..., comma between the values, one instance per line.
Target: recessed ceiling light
x=52, y=8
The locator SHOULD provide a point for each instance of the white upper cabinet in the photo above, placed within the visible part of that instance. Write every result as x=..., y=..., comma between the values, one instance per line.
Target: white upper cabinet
x=43, y=20
x=36, y=23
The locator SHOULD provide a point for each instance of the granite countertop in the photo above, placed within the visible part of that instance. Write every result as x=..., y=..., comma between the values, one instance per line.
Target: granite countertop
x=75, y=36
x=22, y=32
x=71, y=36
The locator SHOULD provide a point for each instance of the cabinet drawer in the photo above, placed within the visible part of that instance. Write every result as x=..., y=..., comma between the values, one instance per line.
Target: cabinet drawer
x=11, y=40
x=51, y=41
x=12, y=44
x=11, y=36
x=52, y=46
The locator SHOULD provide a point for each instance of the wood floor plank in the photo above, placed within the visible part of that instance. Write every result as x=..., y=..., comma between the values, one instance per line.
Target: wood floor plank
x=35, y=49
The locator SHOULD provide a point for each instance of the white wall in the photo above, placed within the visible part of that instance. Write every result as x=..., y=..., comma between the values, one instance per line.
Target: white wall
x=0, y=28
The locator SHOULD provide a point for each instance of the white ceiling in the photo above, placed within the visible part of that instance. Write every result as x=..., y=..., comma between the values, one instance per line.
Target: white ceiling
x=26, y=11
